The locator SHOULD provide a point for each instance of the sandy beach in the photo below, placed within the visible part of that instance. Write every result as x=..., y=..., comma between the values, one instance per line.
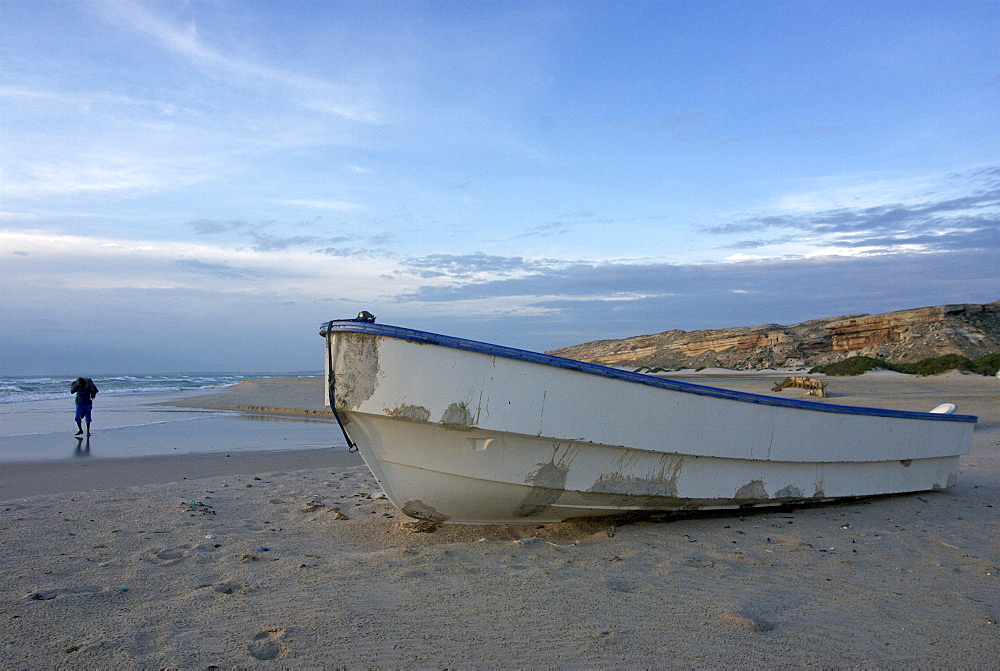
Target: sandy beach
x=292, y=559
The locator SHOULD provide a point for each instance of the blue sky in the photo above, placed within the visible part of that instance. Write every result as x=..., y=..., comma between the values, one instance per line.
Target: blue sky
x=198, y=185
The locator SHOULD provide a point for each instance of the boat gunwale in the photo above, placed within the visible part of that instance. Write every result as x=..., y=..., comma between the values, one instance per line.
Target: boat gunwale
x=426, y=337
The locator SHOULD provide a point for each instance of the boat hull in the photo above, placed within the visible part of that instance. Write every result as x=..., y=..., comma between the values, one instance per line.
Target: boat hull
x=464, y=432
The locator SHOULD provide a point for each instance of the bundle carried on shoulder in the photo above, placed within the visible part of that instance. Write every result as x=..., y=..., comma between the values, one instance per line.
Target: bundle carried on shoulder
x=84, y=384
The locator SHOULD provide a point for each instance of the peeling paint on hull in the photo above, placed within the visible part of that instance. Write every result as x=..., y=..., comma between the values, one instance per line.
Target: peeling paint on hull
x=446, y=471
x=460, y=436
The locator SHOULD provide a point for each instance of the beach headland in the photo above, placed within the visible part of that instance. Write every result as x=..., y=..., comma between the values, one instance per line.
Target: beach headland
x=297, y=562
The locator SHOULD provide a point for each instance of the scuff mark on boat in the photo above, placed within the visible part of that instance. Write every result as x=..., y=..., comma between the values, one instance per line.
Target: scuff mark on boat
x=414, y=413
x=421, y=511
x=479, y=409
x=616, y=483
x=547, y=485
x=753, y=491
x=789, y=492
x=818, y=486
x=541, y=413
x=457, y=414
x=357, y=368
x=661, y=483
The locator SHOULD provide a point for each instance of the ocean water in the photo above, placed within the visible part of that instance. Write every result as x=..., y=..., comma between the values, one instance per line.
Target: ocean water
x=21, y=389
x=36, y=420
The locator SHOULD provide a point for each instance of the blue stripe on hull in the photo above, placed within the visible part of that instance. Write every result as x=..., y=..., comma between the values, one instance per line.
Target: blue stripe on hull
x=358, y=326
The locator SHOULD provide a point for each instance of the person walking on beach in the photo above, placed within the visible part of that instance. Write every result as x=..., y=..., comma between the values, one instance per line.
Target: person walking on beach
x=85, y=391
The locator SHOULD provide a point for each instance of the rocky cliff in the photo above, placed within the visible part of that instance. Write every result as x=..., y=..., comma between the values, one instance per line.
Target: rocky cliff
x=905, y=336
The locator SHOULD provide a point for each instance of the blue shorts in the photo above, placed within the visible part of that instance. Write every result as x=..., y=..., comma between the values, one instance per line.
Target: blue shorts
x=83, y=411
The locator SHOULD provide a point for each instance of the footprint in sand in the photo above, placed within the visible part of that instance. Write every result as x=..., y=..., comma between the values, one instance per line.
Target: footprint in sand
x=231, y=588
x=168, y=555
x=165, y=556
x=621, y=585
x=748, y=622
x=267, y=645
x=49, y=594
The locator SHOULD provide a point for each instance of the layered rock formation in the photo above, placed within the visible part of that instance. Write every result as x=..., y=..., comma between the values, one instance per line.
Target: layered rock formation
x=906, y=336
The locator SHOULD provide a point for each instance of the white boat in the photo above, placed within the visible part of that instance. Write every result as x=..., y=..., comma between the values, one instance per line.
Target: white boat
x=459, y=431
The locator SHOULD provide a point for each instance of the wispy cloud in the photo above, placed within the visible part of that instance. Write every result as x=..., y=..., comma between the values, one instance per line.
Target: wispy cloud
x=947, y=222
x=270, y=236
x=223, y=270
x=185, y=41
x=627, y=299
x=77, y=126
x=118, y=274
x=466, y=266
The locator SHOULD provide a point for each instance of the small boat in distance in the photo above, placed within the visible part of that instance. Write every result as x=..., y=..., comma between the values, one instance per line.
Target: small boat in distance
x=460, y=431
